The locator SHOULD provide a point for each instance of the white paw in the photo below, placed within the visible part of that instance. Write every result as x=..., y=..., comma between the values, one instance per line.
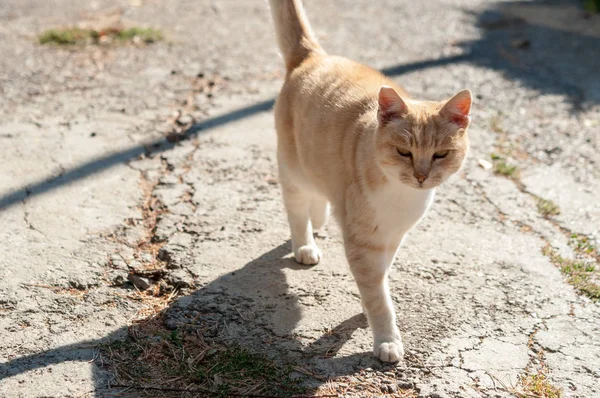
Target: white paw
x=308, y=255
x=390, y=351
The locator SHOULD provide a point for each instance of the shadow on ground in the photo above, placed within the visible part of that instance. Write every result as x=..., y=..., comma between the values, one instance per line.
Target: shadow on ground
x=546, y=45
x=534, y=43
x=252, y=308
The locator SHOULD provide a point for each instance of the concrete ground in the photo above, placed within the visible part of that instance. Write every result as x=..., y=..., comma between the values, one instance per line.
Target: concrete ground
x=120, y=159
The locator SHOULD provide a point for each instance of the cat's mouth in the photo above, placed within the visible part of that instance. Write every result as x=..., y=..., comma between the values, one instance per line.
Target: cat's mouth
x=418, y=185
x=427, y=184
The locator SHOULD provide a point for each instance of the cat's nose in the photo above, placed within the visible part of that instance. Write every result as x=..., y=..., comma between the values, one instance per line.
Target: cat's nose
x=421, y=177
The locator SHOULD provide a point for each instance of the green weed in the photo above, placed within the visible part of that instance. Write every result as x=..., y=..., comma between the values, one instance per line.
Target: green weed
x=538, y=385
x=147, y=35
x=547, y=208
x=592, y=6
x=76, y=36
x=502, y=167
x=66, y=37
x=581, y=275
x=582, y=244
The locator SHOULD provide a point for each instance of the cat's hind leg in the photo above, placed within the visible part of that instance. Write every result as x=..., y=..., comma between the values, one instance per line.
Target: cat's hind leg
x=297, y=204
x=319, y=212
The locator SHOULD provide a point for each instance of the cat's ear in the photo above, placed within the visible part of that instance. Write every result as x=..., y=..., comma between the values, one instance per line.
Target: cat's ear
x=458, y=109
x=391, y=106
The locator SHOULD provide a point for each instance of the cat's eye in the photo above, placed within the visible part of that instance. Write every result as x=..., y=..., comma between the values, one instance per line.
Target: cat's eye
x=403, y=152
x=440, y=154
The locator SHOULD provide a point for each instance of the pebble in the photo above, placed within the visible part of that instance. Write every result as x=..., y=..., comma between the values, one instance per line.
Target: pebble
x=185, y=119
x=118, y=280
x=139, y=281
x=485, y=164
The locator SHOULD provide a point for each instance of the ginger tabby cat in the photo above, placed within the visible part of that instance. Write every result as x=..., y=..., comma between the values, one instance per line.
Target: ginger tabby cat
x=351, y=138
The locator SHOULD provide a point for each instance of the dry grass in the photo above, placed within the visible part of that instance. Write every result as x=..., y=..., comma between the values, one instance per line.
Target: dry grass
x=167, y=363
x=158, y=362
x=59, y=290
x=366, y=384
x=152, y=301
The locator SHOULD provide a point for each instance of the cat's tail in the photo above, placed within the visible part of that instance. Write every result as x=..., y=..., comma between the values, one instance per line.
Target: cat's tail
x=294, y=34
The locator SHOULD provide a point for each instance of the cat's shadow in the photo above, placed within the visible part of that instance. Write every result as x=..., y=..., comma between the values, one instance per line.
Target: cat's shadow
x=252, y=308
x=255, y=308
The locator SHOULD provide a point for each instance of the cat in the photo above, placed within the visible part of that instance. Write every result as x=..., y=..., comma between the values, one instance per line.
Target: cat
x=351, y=139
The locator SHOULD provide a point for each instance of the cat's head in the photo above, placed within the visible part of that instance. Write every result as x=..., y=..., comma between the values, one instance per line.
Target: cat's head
x=419, y=143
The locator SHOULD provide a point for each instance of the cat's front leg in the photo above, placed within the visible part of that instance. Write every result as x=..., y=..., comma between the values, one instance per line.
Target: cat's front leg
x=370, y=264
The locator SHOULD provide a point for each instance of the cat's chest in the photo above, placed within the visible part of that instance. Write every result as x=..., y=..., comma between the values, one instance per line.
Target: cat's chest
x=397, y=211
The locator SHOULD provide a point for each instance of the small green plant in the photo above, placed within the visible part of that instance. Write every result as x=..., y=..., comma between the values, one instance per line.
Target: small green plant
x=547, y=208
x=174, y=337
x=504, y=168
x=77, y=36
x=65, y=37
x=538, y=385
x=582, y=276
x=592, y=6
x=147, y=35
x=582, y=244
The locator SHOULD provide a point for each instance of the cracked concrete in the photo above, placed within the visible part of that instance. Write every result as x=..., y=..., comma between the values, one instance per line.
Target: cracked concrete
x=159, y=162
